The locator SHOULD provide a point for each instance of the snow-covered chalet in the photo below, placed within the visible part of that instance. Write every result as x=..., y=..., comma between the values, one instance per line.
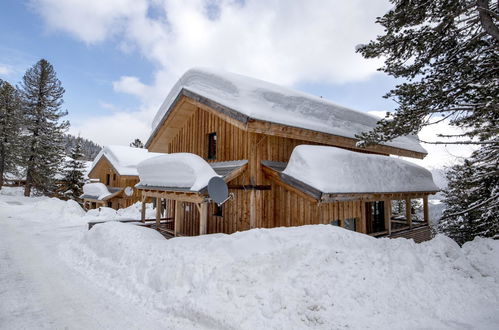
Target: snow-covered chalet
x=113, y=175
x=288, y=158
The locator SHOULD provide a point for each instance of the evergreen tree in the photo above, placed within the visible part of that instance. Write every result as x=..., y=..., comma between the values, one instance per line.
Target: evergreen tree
x=447, y=53
x=42, y=93
x=10, y=129
x=472, y=197
x=137, y=144
x=73, y=180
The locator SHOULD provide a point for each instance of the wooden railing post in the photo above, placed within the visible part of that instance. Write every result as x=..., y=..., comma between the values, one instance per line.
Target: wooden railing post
x=426, y=211
x=408, y=216
x=388, y=216
x=158, y=212
x=203, y=218
x=143, y=210
x=179, y=207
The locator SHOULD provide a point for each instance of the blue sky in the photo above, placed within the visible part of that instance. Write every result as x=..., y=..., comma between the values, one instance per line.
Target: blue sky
x=90, y=67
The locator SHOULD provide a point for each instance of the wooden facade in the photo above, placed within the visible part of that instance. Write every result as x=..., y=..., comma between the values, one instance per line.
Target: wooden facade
x=261, y=198
x=105, y=173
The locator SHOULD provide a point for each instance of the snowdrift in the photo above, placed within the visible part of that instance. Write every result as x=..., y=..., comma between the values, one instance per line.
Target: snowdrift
x=318, y=276
x=180, y=170
x=336, y=170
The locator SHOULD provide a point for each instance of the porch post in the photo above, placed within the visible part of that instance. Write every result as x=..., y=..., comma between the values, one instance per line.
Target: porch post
x=158, y=212
x=178, y=214
x=388, y=215
x=426, y=211
x=143, y=210
x=408, y=215
x=203, y=218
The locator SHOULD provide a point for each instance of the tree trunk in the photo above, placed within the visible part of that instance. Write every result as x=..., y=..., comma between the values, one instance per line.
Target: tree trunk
x=486, y=19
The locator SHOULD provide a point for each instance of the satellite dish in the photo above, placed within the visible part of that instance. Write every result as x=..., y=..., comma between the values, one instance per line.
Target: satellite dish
x=218, y=190
x=129, y=191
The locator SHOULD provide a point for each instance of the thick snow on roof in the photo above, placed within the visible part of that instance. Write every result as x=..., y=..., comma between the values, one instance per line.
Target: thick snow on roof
x=335, y=170
x=98, y=190
x=180, y=170
x=269, y=102
x=124, y=159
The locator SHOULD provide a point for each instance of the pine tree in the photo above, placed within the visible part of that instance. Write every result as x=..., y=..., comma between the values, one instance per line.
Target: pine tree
x=42, y=93
x=447, y=53
x=137, y=144
x=10, y=129
x=472, y=198
x=72, y=183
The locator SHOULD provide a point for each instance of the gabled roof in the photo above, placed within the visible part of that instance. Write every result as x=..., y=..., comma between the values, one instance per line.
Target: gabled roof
x=323, y=172
x=246, y=99
x=124, y=159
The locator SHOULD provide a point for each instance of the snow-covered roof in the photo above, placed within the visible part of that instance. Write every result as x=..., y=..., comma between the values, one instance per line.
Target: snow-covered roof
x=181, y=170
x=265, y=101
x=124, y=159
x=95, y=191
x=334, y=171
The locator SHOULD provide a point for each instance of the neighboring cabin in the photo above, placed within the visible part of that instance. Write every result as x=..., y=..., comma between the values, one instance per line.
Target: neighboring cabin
x=115, y=168
x=248, y=130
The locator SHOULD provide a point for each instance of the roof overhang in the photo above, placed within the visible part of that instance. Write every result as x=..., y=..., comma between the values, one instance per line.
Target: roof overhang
x=273, y=171
x=249, y=124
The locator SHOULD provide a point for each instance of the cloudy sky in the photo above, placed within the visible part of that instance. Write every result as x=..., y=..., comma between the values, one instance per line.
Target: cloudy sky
x=117, y=59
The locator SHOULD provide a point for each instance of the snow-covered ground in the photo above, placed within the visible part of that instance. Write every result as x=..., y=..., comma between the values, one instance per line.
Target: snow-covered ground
x=56, y=274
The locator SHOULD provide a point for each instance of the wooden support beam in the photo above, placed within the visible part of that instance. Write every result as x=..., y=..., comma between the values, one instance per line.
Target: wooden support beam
x=203, y=218
x=143, y=210
x=388, y=215
x=408, y=215
x=179, y=213
x=426, y=211
x=158, y=212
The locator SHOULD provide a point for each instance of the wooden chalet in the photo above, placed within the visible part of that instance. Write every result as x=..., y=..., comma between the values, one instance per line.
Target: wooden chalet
x=116, y=168
x=252, y=127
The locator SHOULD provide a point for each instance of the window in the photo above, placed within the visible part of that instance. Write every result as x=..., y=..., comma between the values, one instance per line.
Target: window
x=108, y=179
x=218, y=211
x=114, y=178
x=351, y=224
x=336, y=223
x=212, y=146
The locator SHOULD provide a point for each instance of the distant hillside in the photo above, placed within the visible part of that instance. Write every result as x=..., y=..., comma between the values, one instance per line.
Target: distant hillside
x=90, y=148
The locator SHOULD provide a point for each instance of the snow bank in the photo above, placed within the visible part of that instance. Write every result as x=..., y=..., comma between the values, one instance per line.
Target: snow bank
x=97, y=189
x=320, y=276
x=124, y=159
x=181, y=170
x=335, y=170
x=265, y=101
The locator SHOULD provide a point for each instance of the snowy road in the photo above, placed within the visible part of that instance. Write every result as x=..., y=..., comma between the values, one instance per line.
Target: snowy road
x=39, y=291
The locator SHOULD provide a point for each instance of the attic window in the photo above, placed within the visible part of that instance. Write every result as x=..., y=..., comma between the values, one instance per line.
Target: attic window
x=212, y=146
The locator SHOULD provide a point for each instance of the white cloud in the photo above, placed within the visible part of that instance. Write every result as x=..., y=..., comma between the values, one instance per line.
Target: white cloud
x=283, y=41
x=117, y=128
x=5, y=70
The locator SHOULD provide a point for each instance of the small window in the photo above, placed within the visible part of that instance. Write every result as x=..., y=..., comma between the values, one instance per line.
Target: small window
x=212, y=146
x=218, y=211
x=108, y=179
x=114, y=177
x=351, y=224
x=336, y=223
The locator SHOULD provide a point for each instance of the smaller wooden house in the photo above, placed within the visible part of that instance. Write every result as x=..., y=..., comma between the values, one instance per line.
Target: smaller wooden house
x=115, y=167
